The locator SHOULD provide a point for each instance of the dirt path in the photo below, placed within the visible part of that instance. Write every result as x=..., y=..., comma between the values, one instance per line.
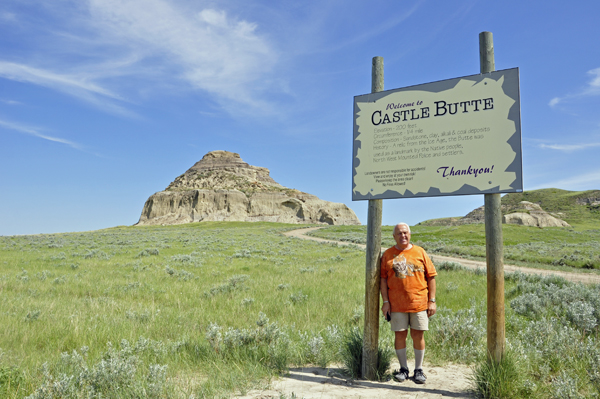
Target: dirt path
x=450, y=381
x=586, y=278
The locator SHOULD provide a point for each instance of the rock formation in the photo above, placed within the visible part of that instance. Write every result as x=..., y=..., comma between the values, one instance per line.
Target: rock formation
x=222, y=187
x=533, y=215
x=526, y=214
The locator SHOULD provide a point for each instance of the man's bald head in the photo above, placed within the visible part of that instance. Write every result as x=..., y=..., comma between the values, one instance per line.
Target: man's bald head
x=397, y=228
x=402, y=236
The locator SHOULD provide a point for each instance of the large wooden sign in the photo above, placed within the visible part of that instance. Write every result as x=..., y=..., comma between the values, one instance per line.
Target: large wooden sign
x=452, y=137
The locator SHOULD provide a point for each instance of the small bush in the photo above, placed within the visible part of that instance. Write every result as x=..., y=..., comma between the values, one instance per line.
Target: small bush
x=179, y=274
x=244, y=253
x=148, y=252
x=235, y=283
x=352, y=356
x=182, y=258
x=117, y=374
x=247, y=301
x=33, y=315
x=450, y=266
x=307, y=270
x=11, y=379
x=502, y=380
x=267, y=344
x=458, y=335
x=298, y=297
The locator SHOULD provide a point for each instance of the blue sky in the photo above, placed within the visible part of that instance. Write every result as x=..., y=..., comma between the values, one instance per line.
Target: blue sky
x=105, y=102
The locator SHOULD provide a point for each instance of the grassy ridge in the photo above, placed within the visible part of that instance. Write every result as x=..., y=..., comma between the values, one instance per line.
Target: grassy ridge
x=581, y=208
x=572, y=206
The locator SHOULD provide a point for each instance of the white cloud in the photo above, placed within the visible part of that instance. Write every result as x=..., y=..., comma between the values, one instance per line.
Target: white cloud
x=80, y=86
x=569, y=147
x=554, y=101
x=208, y=49
x=594, y=84
x=585, y=181
x=592, y=89
x=32, y=131
x=108, y=51
x=8, y=16
x=11, y=102
x=24, y=73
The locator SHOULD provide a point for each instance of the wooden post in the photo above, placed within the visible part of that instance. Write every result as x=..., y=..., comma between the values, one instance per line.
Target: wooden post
x=373, y=253
x=493, y=238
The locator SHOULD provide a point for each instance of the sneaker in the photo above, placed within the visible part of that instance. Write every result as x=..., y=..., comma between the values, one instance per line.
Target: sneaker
x=419, y=377
x=401, y=375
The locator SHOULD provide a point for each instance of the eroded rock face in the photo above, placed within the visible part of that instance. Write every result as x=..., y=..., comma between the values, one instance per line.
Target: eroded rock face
x=222, y=187
x=526, y=214
x=535, y=216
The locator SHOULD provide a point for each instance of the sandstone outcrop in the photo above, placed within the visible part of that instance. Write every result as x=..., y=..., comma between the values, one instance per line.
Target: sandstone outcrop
x=526, y=214
x=534, y=215
x=222, y=187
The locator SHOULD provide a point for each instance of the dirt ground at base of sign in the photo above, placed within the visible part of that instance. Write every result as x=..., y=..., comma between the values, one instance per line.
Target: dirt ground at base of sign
x=450, y=381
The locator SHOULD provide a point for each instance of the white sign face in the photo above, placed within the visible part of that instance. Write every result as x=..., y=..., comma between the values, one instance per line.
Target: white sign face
x=453, y=137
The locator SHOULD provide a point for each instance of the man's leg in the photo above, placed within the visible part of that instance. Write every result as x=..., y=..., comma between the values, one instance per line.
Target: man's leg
x=418, y=337
x=400, y=339
x=400, y=346
x=399, y=325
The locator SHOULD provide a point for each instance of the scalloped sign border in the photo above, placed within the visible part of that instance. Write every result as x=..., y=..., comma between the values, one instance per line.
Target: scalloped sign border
x=458, y=136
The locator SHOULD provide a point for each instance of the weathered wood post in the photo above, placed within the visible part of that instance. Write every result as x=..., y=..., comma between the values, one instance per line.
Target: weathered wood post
x=493, y=238
x=373, y=252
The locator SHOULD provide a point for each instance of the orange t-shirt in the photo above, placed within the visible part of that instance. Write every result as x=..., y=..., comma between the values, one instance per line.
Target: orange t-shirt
x=407, y=273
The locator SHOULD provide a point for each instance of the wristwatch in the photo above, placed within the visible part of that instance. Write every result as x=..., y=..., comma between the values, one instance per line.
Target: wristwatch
x=432, y=300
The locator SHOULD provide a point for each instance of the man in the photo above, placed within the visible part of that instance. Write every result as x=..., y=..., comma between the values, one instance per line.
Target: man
x=408, y=292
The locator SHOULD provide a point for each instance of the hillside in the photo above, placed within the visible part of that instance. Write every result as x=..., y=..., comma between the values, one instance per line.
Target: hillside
x=574, y=207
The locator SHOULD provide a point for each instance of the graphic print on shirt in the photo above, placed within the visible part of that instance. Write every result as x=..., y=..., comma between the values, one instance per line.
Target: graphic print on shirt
x=404, y=269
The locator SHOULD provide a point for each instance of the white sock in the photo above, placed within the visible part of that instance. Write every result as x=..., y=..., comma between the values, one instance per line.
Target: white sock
x=419, y=354
x=401, y=353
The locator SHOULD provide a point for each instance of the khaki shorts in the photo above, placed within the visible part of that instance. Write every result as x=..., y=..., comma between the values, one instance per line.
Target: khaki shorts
x=416, y=321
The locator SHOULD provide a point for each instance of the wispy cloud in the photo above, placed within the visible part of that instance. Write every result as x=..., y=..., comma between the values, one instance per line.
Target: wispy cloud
x=208, y=49
x=11, y=102
x=585, y=181
x=163, y=44
x=7, y=16
x=569, y=147
x=322, y=18
x=591, y=89
x=71, y=84
x=34, y=131
x=594, y=84
x=80, y=86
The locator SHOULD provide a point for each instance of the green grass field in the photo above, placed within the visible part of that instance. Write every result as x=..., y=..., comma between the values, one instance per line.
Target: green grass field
x=567, y=249
x=214, y=309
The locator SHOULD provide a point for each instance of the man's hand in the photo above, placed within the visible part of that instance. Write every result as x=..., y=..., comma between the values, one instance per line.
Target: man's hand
x=431, y=309
x=386, y=308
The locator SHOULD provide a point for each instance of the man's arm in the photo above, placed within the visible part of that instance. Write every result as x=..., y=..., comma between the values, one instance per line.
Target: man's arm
x=383, y=287
x=431, y=308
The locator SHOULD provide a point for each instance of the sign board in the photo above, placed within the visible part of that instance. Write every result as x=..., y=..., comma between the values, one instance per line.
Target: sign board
x=452, y=137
